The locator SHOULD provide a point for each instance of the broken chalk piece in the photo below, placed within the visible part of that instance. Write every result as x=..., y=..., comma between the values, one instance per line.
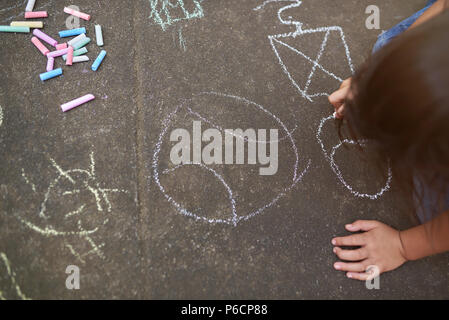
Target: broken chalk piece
x=30, y=5
x=58, y=53
x=50, y=74
x=69, y=60
x=29, y=24
x=15, y=29
x=76, y=53
x=43, y=49
x=99, y=35
x=81, y=43
x=80, y=59
x=99, y=60
x=77, y=13
x=77, y=102
x=61, y=46
x=36, y=14
x=72, y=32
x=76, y=39
x=45, y=37
x=50, y=64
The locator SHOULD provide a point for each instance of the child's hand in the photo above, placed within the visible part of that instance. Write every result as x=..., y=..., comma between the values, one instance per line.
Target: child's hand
x=380, y=246
x=337, y=99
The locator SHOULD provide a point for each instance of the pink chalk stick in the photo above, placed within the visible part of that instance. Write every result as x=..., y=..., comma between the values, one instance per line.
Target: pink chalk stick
x=50, y=63
x=58, y=53
x=45, y=37
x=36, y=14
x=61, y=46
x=44, y=50
x=77, y=102
x=69, y=60
x=77, y=14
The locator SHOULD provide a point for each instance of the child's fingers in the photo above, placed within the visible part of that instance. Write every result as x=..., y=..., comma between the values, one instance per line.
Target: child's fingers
x=351, y=267
x=351, y=255
x=362, y=225
x=353, y=240
x=362, y=276
x=338, y=97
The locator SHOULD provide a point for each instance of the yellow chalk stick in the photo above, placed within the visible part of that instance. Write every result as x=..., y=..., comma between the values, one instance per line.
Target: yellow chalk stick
x=29, y=24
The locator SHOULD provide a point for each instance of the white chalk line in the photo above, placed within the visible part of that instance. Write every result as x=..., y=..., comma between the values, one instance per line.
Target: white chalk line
x=235, y=218
x=12, y=277
x=273, y=39
x=336, y=169
x=88, y=182
x=1, y=116
x=27, y=181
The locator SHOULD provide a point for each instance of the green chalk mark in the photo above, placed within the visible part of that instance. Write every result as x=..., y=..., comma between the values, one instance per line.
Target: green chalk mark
x=160, y=12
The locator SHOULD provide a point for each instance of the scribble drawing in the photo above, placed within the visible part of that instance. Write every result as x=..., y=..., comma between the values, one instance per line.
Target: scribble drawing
x=11, y=275
x=303, y=89
x=235, y=217
x=330, y=157
x=71, y=226
x=279, y=40
x=168, y=12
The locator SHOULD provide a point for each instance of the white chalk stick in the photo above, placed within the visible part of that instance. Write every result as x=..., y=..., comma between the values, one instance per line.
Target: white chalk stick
x=99, y=35
x=30, y=5
x=80, y=59
x=76, y=39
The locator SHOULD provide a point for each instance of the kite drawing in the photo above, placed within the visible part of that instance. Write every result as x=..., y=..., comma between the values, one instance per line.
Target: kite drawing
x=287, y=41
x=85, y=220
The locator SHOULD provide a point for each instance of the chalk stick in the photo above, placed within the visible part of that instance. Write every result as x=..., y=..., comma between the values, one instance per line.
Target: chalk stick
x=50, y=74
x=36, y=14
x=50, y=64
x=76, y=13
x=43, y=49
x=30, y=5
x=29, y=24
x=61, y=46
x=58, y=53
x=72, y=32
x=81, y=43
x=15, y=29
x=45, y=37
x=76, y=39
x=99, y=35
x=77, y=102
x=76, y=53
x=69, y=60
x=99, y=60
x=80, y=59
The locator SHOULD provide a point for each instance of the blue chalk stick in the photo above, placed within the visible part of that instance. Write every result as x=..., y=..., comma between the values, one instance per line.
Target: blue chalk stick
x=72, y=32
x=50, y=74
x=99, y=60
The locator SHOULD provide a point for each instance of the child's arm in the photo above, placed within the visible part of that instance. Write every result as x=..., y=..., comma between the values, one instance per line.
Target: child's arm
x=434, y=10
x=427, y=239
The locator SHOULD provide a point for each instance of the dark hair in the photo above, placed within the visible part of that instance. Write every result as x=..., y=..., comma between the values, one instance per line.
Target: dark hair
x=400, y=101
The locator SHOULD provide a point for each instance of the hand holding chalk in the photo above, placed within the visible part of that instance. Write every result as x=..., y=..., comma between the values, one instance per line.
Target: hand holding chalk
x=337, y=99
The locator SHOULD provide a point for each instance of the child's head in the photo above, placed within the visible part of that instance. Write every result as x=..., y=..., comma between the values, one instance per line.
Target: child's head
x=400, y=100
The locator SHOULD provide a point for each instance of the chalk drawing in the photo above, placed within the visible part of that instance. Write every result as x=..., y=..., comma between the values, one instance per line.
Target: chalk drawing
x=71, y=223
x=182, y=41
x=279, y=40
x=1, y=116
x=337, y=171
x=12, y=277
x=235, y=216
x=169, y=12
